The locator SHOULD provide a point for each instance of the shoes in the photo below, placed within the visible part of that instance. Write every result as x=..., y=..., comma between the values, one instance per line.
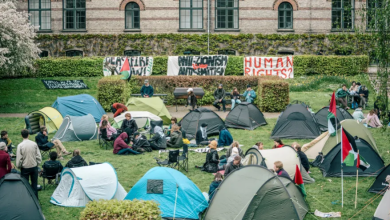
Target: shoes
x=66, y=153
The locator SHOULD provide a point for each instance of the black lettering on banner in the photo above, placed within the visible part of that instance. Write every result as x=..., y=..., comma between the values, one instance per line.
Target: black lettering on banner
x=202, y=65
x=66, y=84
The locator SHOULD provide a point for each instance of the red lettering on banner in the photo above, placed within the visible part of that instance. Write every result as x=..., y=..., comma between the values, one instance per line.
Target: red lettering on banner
x=268, y=72
x=277, y=71
x=290, y=70
x=267, y=61
x=257, y=64
x=290, y=61
x=284, y=73
x=261, y=74
x=280, y=61
x=248, y=61
x=247, y=70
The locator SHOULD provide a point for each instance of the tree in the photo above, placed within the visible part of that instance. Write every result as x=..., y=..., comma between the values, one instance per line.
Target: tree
x=17, y=47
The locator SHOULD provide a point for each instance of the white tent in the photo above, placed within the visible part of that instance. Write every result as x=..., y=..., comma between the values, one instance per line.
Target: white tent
x=80, y=185
x=143, y=119
x=383, y=210
x=287, y=155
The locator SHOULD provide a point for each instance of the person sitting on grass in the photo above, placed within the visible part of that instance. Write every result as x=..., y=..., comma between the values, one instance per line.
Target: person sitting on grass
x=212, y=159
x=183, y=132
x=5, y=160
x=249, y=94
x=341, y=96
x=215, y=184
x=129, y=126
x=225, y=138
x=278, y=143
x=173, y=122
x=372, y=120
x=278, y=168
x=191, y=100
x=304, y=161
x=42, y=141
x=235, y=164
x=235, y=145
x=140, y=143
x=76, y=161
x=147, y=90
x=219, y=97
x=158, y=141
x=176, y=140
x=235, y=97
x=258, y=146
x=4, y=138
x=111, y=132
x=52, y=163
x=118, y=108
x=358, y=114
x=120, y=146
x=201, y=135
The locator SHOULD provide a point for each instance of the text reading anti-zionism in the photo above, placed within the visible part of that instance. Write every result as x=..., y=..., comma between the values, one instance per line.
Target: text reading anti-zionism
x=269, y=66
x=197, y=65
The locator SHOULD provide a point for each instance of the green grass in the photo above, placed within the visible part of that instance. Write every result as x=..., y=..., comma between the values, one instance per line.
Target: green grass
x=130, y=169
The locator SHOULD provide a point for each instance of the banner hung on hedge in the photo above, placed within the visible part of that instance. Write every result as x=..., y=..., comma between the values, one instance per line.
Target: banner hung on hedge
x=269, y=66
x=64, y=84
x=197, y=65
x=140, y=66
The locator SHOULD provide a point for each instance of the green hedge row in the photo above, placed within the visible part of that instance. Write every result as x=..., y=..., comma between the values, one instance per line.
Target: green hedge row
x=273, y=95
x=303, y=65
x=112, y=89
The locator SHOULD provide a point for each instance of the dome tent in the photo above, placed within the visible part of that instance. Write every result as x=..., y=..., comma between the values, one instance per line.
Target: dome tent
x=77, y=128
x=178, y=197
x=296, y=122
x=380, y=183
x=153, y=105
x=260, y=195
x=322, y=117
x=245, y=116
x=192, y=121
x=143, y=119
x=52, y=119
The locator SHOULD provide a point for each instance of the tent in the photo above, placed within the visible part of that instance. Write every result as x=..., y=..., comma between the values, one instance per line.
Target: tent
x=142, y=118
x=287, y=155
x=153, y=105
x=296, y=122
x=18, y=200
x=383, y=211
x=322, y=117
x=192, y=121
x=178, y=197
x=331, y=165
x=324, y=143
x=52, y=119
x=380, y=183
x=79, y=105
x=77, y=128
x=80, y=185
x=254, y=192
x=245, y=116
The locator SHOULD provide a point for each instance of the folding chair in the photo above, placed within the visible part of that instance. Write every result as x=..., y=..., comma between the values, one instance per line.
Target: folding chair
x=45, y=150
x=51, y=172
x=172, y=160
x=104, y=141
x=183, y=159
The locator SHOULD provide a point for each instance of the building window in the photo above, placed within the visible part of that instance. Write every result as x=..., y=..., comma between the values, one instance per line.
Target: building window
x=285, y=16
x=191, y=14
x=74, y=14
x=132, y=16
x=343, y=52
x=286, y=52
x=44, y=53
x=227, y=52
x=191, y=52
x=74, y=53
x=227, y=14
x=372, y=17
x=343, y=14
x=40, y=13
x=132, y=53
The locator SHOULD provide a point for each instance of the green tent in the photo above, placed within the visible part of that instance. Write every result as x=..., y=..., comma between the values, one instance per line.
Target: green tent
x=254, y=192
x=153, y=105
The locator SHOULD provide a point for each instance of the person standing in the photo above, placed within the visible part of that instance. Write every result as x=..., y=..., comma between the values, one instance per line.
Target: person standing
x=147, y=90
x=191, y=100
x=341, y=96
x=28, y=158
x=219, y=97
x=249, y=94
x=5, y=160
x=118, y=108
x=235, y=97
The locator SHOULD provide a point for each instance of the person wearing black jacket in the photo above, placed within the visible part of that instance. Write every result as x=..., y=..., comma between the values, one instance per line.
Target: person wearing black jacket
x=219, y=97
x=158, y=141
x=235, y=164
x=304, y=161
x=191, y=100
x=140, y=143
x=201, y=135
x=278, y=168
x=212, y=159
x=129, y=126
x=42, y=141
x=76, y=161
x=363, y=93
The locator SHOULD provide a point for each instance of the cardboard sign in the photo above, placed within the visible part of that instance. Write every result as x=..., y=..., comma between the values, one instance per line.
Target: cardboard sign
x=269, y=66
x=197, y=65
x=140, y=66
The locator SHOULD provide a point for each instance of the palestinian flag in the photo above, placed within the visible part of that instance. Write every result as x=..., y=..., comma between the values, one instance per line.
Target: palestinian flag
x=349, y=152
x=299, y=181
x=332, y=115
x=125, y=71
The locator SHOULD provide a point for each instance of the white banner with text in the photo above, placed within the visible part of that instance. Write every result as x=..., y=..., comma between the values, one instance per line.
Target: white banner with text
x=269, y=66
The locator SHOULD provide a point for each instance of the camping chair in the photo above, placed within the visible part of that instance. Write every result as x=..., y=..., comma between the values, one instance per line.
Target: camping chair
x=183, y=159
x=104, y=141
x=51, y=172
x=45, y=150
x=172, y=160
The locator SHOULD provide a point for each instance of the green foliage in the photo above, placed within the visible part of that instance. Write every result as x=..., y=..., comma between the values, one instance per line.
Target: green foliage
x=315, y=83
x=112, y=89
x=121, y=210
x=88, y=66
x=273, y=95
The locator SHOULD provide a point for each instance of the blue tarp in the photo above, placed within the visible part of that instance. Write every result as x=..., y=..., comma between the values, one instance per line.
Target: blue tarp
x=79, y=105
x=190, y=200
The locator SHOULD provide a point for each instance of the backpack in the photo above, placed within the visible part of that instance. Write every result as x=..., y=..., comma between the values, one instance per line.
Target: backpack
x=319, y=159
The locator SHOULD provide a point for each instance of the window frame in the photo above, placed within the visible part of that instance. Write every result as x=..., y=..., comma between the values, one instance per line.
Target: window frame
x=40, y=15
x=73, y=51
x=44, y=52
x=191, y=53
x=132, y=10
x=284, y=17
x=227, y=9
x=368, y=9
x=226, y=52
x=74, y=9
x=191, y=8
x=132, y=51
x=342, y=18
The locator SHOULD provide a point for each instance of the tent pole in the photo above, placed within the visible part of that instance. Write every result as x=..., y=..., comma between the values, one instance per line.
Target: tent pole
x=342, y=178
x=357, y=177
x=174, y=208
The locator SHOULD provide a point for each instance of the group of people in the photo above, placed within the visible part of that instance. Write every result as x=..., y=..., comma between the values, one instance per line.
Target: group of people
x=219, y=97
x=357, y=92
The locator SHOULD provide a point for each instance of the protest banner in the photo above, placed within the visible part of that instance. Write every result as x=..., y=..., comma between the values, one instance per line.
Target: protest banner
x=64, y=84
x=139, y=66
x=269, y=66
x=197, y=65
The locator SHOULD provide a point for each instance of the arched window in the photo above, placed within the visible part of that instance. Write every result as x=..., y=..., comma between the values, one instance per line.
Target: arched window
x=44, y=53
x=285, y=16
x=132, y=19
x=226, y=52
x=132, y=53
x=74, y=53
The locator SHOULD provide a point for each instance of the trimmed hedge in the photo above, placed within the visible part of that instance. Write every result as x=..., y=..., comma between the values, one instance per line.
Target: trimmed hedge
x=65, y=66
x=274, y=95
x=121, y=210
x=112, y=89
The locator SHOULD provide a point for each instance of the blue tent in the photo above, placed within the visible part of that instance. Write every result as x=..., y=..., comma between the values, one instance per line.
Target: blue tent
x=79, y=105
x=160, y=184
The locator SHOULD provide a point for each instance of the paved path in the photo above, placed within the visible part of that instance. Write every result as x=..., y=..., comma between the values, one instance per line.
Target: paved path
x=182, y=111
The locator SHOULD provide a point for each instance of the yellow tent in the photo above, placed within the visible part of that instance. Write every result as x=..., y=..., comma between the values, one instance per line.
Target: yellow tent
x=48, y=116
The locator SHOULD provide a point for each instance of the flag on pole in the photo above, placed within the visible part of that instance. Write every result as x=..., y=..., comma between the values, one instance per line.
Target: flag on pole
x=350, y=152
x=125, y=70
x=299, y=181
x=332, y=114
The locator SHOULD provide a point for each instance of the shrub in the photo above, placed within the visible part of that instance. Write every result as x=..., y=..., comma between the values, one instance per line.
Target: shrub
x=121, y=210
x=273, y=95
x=88, y=66
x=112, y=89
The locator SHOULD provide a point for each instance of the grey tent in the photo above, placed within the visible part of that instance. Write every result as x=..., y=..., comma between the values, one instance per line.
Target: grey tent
x=382, y=212
x=380, y=183
x=77, y=128
x=322, y=117
x=245, y=116
x=18, y=200
x=296, y=122
x=254, y=192
x=192, y=121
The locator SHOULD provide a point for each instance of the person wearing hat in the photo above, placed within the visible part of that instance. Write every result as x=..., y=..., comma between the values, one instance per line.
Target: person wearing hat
x=212, y=159
x=147, y=90
x=201, y=135
x=219, y=97
x=249, y=94
x=191, y=100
